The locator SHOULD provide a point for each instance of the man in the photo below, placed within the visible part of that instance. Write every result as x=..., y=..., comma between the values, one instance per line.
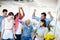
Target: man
x=27, y=31
x=1, y=18
x=43, y=16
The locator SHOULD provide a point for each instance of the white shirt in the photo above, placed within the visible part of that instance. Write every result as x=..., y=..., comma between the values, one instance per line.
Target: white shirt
x=19, y=30
x=8, y=33
x=42, y=31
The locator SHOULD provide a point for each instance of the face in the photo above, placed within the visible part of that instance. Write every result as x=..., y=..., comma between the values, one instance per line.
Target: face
x=28, y=22
x=41, y=23
x=4, y=13
x=42, y=16
x=11, y=17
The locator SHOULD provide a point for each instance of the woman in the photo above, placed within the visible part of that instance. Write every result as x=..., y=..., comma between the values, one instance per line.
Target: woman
x=18, y=24
x=41, y=30
x=7, y=27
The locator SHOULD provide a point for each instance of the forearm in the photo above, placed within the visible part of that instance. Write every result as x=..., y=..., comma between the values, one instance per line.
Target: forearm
x=38, y=36
x=23, y=12
x=2, y=33
x=51, y=16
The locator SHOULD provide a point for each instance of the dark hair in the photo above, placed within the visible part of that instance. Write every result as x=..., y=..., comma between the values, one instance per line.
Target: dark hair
x=4, y=10
x=44, y=22
x=16, y=16
x=10, y=13
x=44, y=13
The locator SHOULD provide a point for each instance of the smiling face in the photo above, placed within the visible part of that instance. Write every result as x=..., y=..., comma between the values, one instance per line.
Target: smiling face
x=43, y=15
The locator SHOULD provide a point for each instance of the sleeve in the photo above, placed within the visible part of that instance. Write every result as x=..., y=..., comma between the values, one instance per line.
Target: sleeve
x=37, y=18
x=49, y=20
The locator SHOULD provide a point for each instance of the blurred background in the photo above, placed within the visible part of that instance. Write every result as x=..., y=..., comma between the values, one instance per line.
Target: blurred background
x=30, y=5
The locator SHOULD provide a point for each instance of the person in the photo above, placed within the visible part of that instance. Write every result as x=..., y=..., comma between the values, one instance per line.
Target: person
x=43, y=16
x=18, y=24
x=1, y=18
x=8, y=27
x=27, y=31
x=41, y=30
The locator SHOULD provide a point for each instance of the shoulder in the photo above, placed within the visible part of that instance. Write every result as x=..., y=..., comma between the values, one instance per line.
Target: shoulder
x=1, y=16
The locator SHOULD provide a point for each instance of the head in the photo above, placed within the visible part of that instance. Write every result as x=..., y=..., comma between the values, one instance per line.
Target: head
x=43, y=15
x=16, y=16
x=4, y=12
x=10, y=15
x=28, y=21
x=43, y=23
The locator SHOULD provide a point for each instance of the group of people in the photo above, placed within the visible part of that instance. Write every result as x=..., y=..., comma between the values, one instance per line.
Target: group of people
x=13, y=28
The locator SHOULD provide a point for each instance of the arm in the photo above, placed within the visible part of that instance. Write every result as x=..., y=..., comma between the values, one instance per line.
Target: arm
x=35, y=17
x=22, y=12
x=50, y=15
x=3, y=24
x=22, y=29
x=38, y=36
x=14, y=32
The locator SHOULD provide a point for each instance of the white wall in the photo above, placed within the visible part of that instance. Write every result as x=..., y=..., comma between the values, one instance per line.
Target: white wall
x=42, y=6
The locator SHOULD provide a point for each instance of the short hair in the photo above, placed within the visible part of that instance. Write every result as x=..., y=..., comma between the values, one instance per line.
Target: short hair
x=4, y=10
x=44, y=22
x=44, y=13
x=10, y=13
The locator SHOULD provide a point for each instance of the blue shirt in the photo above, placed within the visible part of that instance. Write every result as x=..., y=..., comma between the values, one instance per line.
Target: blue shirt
x=27, y=30
x=1, y=18
x=48, y=20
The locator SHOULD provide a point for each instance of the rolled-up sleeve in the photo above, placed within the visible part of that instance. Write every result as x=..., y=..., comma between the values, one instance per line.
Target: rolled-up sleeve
x=37, y=18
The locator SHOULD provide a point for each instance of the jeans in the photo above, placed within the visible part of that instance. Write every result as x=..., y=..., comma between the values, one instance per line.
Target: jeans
x=8, y=39
x=26, y=38
x=18, y=37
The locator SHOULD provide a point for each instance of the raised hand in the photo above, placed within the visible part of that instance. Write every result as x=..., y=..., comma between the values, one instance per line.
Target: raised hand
x=34, y=12
x=50, y=14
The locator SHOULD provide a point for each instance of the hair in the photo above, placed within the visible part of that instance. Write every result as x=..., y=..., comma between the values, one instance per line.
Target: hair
x=44, y=13
x=44, y=22
x=4, y=10
x=10, y=13
x=16, y=16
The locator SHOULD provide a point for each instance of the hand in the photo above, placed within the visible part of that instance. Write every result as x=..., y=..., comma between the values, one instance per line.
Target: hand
x=26, y=34
x=20, y=7
x=15, y=37
x=34, y=10
x=49, y=13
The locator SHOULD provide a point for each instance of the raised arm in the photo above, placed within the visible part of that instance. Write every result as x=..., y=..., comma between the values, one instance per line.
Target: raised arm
x=35, y=17
x=3, y=26
x=34, y=12
x=22, y=12
x=50, y=15
x=19, y=13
